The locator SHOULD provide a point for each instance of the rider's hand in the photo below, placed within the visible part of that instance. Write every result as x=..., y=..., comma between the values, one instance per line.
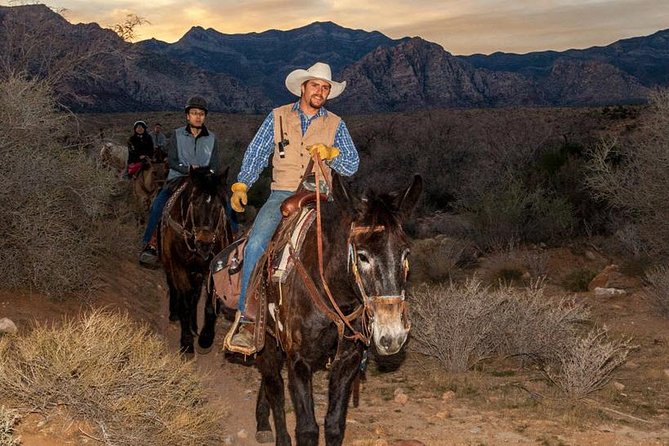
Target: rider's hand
x=324, y=152
x=239, y=198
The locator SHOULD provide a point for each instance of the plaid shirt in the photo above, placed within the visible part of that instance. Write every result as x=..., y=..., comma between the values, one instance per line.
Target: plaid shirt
x=261, y=148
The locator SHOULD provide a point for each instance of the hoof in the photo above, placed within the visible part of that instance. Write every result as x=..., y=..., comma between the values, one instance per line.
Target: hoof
x=264, y=437
x=205, y=343
x=202, y=350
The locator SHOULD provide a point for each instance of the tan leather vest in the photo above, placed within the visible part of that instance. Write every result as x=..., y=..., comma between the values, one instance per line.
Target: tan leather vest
x=287, y=171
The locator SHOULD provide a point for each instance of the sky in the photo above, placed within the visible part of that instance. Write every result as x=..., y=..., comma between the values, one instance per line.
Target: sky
x=460, y=26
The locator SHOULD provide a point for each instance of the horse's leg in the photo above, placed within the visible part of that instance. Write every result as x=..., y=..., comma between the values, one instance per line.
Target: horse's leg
x=208, y=333
x=188, y=317
x=271, y=396
x=300, y=385
x=174, y=300
x=342, y=375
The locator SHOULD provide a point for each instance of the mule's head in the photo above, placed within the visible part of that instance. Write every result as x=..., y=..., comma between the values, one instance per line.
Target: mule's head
x=207, y=220
x=379, y=260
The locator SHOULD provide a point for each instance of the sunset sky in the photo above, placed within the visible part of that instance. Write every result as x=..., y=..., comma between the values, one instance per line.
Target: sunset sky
x=461, y=27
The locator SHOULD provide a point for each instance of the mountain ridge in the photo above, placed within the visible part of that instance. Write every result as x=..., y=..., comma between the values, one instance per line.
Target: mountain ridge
x=245, y=72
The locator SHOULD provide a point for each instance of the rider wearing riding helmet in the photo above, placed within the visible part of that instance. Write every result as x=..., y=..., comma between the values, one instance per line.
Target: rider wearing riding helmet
x=191, y=146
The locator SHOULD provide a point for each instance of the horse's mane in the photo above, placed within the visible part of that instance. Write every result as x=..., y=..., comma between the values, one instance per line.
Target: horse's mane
x=207, y=181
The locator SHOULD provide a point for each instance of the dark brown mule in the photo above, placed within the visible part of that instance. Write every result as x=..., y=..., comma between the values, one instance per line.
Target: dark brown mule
x=331, y=322
x=194, y=228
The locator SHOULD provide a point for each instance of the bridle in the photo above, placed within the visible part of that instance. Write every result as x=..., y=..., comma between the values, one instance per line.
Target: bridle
x=371, y=303
x=367, y=306
x=196, y=233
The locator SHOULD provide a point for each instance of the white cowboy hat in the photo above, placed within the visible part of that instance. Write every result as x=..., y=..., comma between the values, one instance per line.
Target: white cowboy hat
x=319, y=70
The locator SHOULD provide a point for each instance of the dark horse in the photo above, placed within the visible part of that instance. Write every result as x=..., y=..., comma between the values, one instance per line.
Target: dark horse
x=332, y=309
x=194, y=229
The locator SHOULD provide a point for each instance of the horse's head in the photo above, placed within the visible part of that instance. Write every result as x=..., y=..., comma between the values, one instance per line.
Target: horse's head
x=206, y=219
x=378, y=259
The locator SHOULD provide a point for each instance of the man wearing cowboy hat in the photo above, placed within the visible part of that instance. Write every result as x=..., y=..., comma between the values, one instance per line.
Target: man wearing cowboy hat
x=292, y=133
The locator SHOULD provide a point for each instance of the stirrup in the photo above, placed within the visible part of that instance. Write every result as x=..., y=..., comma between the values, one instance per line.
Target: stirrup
x=227, y=342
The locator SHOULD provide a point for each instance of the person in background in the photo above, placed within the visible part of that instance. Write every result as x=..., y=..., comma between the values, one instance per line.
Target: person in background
x=159, y=142
x=140, y=148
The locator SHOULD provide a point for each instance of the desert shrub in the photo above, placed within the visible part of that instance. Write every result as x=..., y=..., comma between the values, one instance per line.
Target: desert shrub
x=511, y=212
x=540, y=327
x=53, y=199
x=436, y=259
x=458, y=324
x=112, y=374
x=8, y=420
x=658, y=291
x=578, y=280
x=536, y=262
x=631, y=176
x=587, y=365
x=462, y=325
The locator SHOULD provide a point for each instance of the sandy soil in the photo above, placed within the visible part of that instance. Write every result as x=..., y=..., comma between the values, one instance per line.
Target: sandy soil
x=497, y=405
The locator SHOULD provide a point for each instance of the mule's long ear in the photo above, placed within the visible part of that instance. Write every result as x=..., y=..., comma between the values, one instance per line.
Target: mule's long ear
x=343, y=196
x=410, y=197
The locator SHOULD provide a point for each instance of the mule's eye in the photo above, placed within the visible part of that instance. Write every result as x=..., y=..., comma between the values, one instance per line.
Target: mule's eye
x=362, y=257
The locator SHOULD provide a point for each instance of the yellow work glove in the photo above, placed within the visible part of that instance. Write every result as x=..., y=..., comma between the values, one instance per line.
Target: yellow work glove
x=239, y=198
x=324, y=152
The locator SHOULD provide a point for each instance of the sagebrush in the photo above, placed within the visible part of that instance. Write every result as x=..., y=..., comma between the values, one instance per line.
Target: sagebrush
x=462, y=325
x=54, y=199
x=113, y=374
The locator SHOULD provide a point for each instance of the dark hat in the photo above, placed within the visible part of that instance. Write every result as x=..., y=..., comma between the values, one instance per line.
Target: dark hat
x=196, y=102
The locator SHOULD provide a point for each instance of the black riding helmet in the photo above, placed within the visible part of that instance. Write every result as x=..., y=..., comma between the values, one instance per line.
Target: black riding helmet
x=196, y=102
x=142, y=123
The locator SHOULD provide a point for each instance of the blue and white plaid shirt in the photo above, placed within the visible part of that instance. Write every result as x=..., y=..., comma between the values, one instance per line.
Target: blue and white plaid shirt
x=261, y=148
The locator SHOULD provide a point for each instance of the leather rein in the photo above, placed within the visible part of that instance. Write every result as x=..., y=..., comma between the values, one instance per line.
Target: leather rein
x=333, y=311
x=190, y=236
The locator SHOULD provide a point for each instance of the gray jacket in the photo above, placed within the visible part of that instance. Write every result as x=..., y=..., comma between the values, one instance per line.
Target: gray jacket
x=186, y=150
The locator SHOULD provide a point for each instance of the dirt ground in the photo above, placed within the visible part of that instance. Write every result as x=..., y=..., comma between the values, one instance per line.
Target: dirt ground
x=413, y=398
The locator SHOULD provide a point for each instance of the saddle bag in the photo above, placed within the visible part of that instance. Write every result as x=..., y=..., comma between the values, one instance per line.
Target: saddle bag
x=226, y=270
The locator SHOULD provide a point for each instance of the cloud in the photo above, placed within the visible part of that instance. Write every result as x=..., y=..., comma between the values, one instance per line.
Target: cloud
x=461, y=27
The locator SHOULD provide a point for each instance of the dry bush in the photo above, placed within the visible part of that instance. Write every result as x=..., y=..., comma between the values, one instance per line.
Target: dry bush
x=457, y=324
x=112, y=374
x=436, y=259
x=587, y=365
x=53, y=198
x=538, y=328
x=631, y=176
x=658, y=291
x=463, y=325
x=8, y=421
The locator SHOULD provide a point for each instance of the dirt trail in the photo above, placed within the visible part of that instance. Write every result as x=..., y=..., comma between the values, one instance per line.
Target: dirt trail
x=409, y=402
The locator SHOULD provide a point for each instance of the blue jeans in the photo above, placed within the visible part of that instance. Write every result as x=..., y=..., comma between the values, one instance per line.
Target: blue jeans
x=263, y=228
x=156, y=211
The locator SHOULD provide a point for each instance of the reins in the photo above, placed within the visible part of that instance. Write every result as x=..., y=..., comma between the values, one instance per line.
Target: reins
x=337, y=316
x=189, y=235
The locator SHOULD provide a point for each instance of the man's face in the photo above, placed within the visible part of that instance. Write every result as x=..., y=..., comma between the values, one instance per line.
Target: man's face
x=315, y=92
x=195, y=117
x=156, y=129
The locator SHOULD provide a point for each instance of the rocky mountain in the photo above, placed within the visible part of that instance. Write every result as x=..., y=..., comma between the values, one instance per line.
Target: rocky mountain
x=419, y=74
x=92, y=69
x=264, y=59
x=97, y=71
